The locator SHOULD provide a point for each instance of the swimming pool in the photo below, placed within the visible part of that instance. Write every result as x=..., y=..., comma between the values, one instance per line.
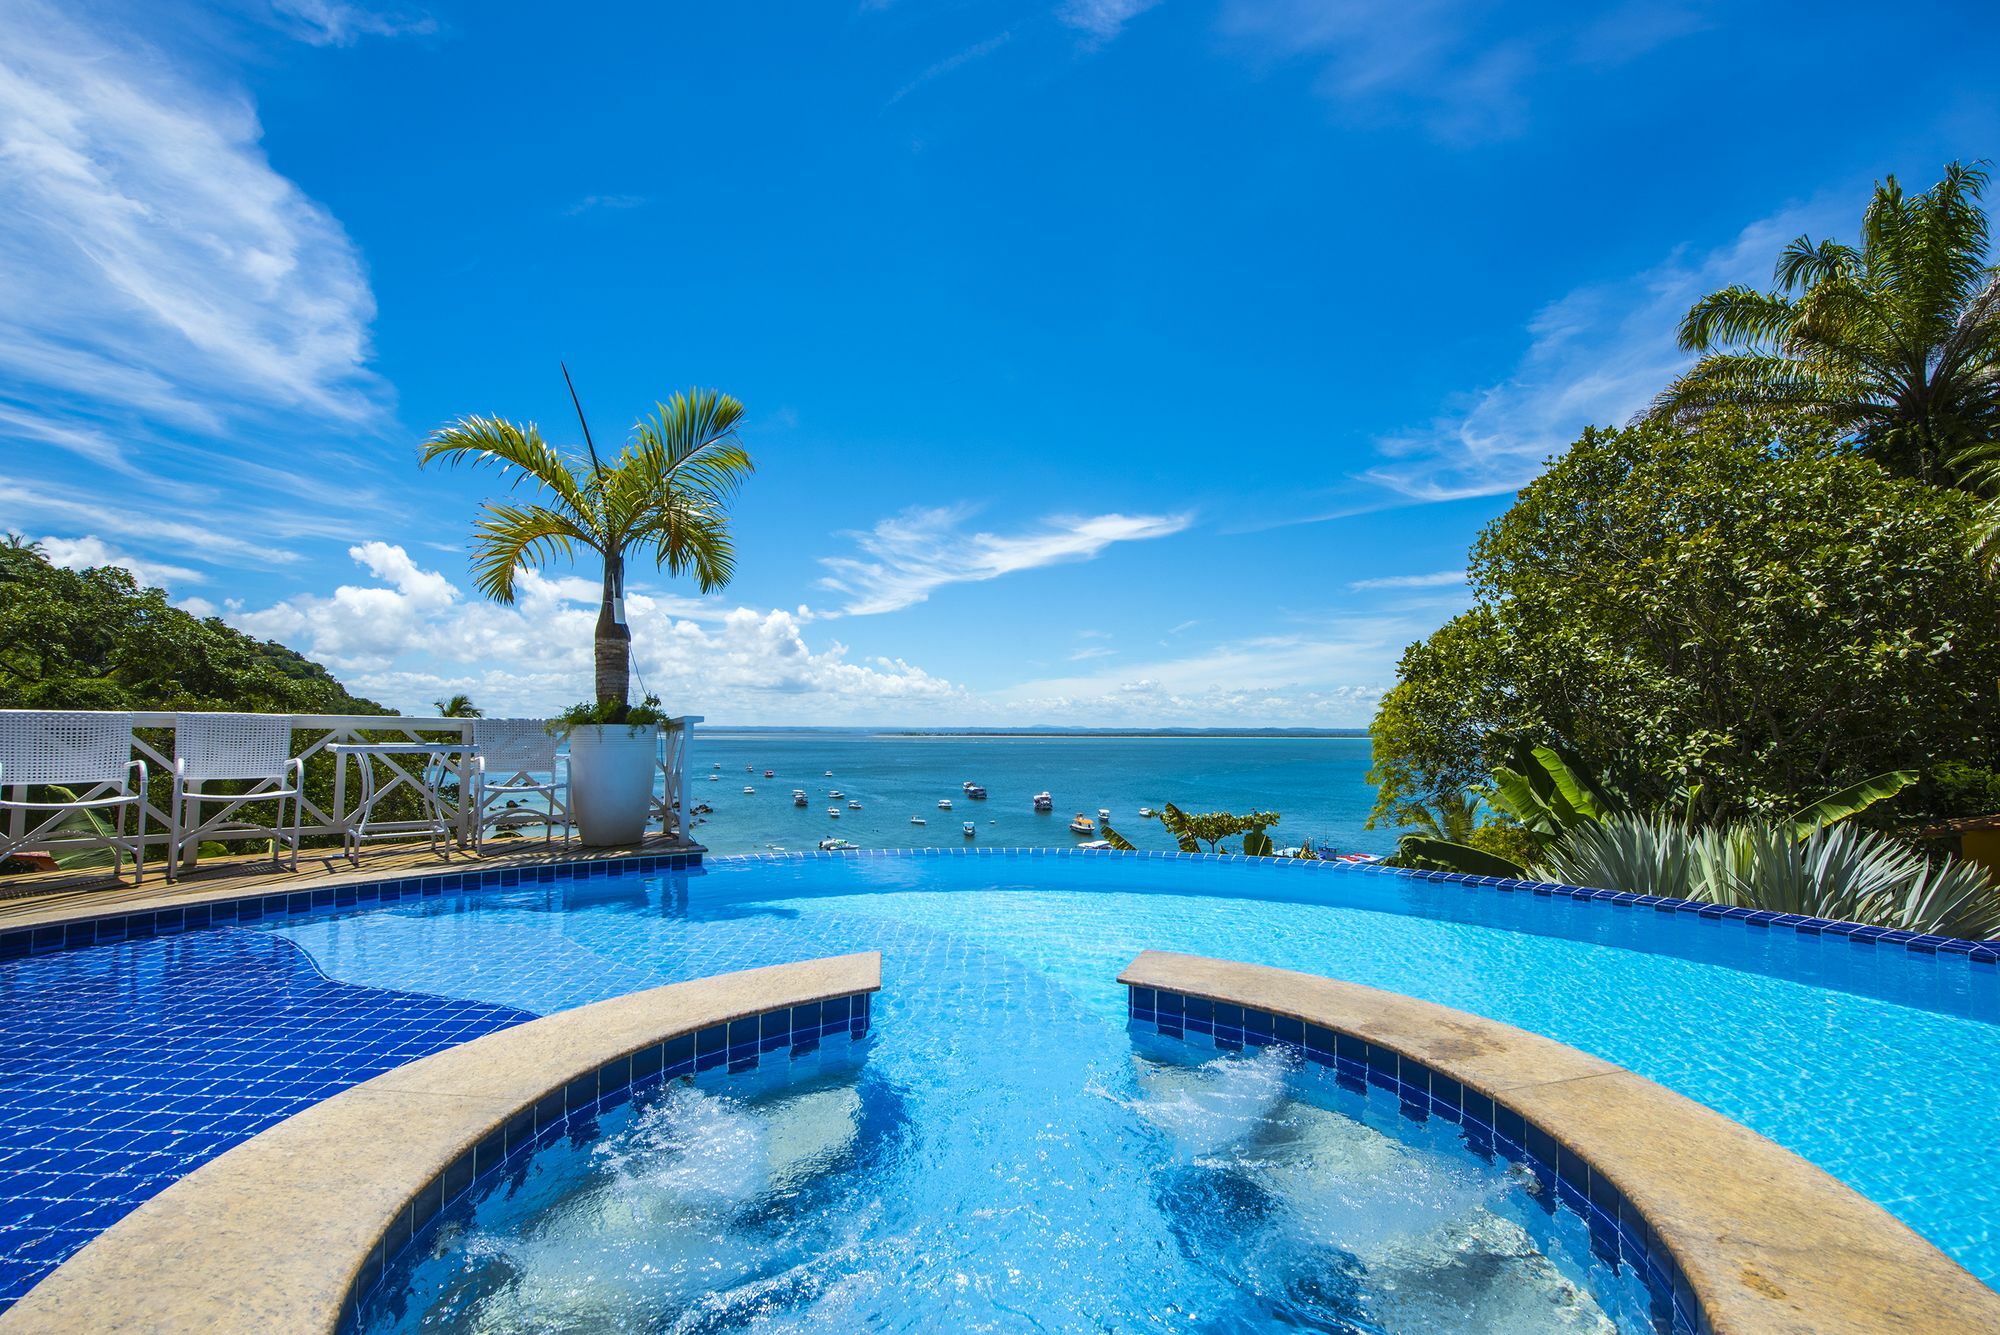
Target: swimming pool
x=127, y=1064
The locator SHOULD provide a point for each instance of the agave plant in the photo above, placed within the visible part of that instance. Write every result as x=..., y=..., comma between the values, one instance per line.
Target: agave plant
x=1838, y=871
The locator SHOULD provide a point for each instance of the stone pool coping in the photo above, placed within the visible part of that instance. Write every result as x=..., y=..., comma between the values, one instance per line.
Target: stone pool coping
x=1770, y=1244
x=278, y=1233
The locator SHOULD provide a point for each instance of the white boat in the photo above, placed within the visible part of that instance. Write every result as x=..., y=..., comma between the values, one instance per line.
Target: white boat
x=1043, y=802
x=829, y=774
x=1147, y=812
x=715, y=778
x=833, y=812
x=1083, y=825
x=748, y=789
x=836, y=846
x=969, y=830
x=1103, y=815
x=770, y=774
x=1095, y=843
x=944, y=804
x=798, y=797
x=974, y=791
x=916, y=820
x=716, y=765
x=835, y=793
x=854, y=805
x=749, y=769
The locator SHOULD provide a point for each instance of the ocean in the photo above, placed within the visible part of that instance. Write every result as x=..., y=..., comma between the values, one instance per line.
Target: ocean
x=1318, y=784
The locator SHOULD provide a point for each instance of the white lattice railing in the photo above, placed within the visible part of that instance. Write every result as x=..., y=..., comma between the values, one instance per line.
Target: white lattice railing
x=326, y=730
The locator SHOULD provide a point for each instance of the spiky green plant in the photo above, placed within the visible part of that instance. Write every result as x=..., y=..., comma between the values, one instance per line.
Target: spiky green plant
x=666, y=493
x=1896, y=342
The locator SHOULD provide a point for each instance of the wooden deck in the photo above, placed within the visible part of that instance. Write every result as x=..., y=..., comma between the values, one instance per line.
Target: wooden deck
x=43, y=897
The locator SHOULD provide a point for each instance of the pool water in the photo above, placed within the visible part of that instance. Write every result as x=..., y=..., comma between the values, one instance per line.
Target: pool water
x=1148, y=1190
x=125, y=1066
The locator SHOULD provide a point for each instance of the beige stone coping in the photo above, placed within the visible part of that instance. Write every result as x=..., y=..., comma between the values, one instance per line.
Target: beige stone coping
x=1770, y=1244
x=269, y=1237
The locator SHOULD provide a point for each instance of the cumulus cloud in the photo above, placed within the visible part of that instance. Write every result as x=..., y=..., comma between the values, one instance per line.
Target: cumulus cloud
x=159, y=270
x=89, y=552
x=911, y=554
x=411, y=634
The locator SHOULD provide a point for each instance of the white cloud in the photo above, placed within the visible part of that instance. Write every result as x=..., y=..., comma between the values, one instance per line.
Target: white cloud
x=159, y=271
x=88, y=552
x=196, y=607
x=1597, y=357
x=336, y=23
x=1096, y=651
x=976, y=51
x=923, y=549
x=1450, y=65
x=1102, y=20
x=613, y=203
x=24, y=504
x=412, y=635
x=1437, y=580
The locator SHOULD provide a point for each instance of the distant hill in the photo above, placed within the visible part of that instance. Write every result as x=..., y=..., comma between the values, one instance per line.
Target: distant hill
x=94, y=639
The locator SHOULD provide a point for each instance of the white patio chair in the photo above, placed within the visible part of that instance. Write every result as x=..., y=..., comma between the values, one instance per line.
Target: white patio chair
x=91, y=755
x=516, y=758
x=256, y=748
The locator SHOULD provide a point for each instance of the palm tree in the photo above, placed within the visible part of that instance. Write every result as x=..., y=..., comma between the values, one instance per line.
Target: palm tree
x=666, y=493
x=458, y=706
x=1897, y=344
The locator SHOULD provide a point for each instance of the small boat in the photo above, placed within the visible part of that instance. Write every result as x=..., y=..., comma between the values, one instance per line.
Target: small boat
x=1147, y=812
x=833, y=812
x=916, y=820
x=854, y=805
x=749, y=769
x=798, y=797
x=974, y=791
x=829, y=774
x=835, y=793
x=836, y=846
x=968, y=785
x=748, y=789
x=714, y=778
x=944, y=804
x=969, y=830
x=716, y=765
x=1083, y=825
x=1103, y=815
x=770, y=774
x=1095, y=843
x=1043, y=802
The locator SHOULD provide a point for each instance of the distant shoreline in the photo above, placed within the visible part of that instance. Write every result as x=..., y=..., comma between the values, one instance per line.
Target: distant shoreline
x=1061, y=734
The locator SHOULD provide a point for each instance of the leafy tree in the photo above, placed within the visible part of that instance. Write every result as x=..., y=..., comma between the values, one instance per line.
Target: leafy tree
x=1740, y=607
x=1895, y=344
x=1191, y=831
x=666, y=493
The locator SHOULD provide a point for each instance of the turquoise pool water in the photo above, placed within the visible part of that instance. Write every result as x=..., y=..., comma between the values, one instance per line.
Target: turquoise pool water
x=1876, y=1063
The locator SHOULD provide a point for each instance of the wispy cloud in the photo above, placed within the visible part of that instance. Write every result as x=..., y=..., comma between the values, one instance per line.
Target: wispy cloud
x=1093, y=651
x=956, y=60
x=1436, y=580
x=159, y=271
x=1597, y=356
x=1102, y=20
x=910, y=554
x=1449, y=65
x=335, y=23
x=598, y=203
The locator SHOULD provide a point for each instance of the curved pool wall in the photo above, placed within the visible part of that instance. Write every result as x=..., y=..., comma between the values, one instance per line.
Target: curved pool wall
x=1871, y=1053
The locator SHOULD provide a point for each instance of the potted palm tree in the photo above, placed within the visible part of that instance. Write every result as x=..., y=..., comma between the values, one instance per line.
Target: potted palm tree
x=666, y=494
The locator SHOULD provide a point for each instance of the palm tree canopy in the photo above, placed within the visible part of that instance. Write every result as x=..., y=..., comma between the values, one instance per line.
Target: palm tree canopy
x=667, y=492
x=1897, y=342
x=458, y=706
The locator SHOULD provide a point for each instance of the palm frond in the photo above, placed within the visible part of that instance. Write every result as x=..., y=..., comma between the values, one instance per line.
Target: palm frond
x=495, y=441
x=508, y=537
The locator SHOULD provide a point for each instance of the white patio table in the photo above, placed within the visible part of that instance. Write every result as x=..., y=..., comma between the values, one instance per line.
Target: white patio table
x=450, y=756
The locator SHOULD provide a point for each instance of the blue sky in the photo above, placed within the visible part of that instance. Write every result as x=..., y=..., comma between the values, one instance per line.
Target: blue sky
x=1106, y=362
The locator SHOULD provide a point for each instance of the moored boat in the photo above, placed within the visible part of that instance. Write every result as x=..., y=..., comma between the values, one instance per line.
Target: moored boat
x=1044, y=802
x=970, y=832
x=798, y=797
x=944, y=804
x=836, y=846
x=916, y=820
x=854, y=805
x=1147, y=812
x=1083, y=825
x=748, y=789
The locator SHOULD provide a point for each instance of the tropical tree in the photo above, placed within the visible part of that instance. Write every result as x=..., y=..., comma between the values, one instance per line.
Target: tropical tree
x=666, y=494
x=458, y=706
x=1737, y=608
x=1895, y=343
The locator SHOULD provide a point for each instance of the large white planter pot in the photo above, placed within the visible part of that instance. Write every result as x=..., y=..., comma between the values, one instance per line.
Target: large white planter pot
x=611, y=770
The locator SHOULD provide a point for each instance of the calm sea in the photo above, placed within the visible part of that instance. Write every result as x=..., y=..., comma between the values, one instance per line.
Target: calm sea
x=1319, y=784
